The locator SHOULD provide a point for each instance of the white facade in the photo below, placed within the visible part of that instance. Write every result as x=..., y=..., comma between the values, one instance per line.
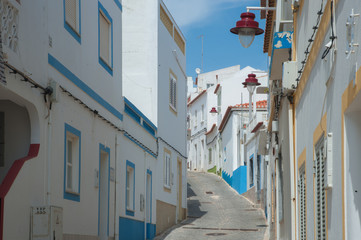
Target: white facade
x=155, y=82
x=81, y=147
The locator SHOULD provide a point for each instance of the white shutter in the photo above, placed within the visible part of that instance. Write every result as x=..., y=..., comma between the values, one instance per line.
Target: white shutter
x=71, y=14
x=320, y=193
x=104, y=38
x=174, y=93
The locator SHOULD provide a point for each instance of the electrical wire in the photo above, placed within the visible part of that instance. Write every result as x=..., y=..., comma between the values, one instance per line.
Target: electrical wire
x=332, y=37
x=310, y=41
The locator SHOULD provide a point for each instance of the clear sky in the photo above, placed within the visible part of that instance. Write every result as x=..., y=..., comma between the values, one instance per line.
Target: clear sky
x=214, y=19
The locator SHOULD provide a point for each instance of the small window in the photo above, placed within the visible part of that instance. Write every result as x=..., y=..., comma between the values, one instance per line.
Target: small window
x=202, y=118
x=195, y=119
x=302, y=204
x=210, y=156
x=167, y=169
x=2, y=139
x=72, y=164
x=72, y=17
x=130, y=189
x=173, y=92
x=320, y=193
x=105, y=39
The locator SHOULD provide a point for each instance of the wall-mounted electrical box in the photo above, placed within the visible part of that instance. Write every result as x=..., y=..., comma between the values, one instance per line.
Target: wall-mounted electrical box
x=289, y=76
x=46, y=223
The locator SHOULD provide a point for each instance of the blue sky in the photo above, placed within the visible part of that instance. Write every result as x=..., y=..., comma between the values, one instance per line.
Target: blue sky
x=213, y=19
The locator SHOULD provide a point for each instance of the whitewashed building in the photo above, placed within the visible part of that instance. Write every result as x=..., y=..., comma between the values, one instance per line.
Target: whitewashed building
x=155, y=83
x=79, y=158
x=316, y=129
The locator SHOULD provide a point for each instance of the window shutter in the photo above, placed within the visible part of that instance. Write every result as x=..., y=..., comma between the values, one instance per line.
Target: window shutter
x=104, y=38
x=302, y=201
x=320, y=193
x=170, y=91
x=174, y=93
x=71, y=16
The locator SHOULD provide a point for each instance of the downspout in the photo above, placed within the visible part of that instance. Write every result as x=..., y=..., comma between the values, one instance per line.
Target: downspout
x=293, y=170
x=48, y=162
x=145, y=195
x=115, y=183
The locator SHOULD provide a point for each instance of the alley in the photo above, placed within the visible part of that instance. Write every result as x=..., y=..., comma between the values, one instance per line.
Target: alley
x=215, y=211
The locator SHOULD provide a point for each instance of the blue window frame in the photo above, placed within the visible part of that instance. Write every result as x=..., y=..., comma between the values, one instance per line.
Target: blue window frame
x=130, y=189
x=102, y=150
x=72, y=163
x=105, y=39
x=72, y=18
x=117, y=2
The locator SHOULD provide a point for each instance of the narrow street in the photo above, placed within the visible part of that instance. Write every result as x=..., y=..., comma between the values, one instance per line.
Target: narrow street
x=216, y=211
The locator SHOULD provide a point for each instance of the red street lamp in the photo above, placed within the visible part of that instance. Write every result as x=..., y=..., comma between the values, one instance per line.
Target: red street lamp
x=213, y=111
x=246, y=29
x=251, y=83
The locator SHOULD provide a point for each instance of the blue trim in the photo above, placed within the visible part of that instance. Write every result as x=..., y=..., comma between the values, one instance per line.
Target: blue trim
x=67, y=195
x=148, y=128
x=80, y=84
x=108, y=68
x=130, y=104
x=107, y=150
x=131, y=113
x=119, y=5
x=132, y=165
x=141, y=146
x=134, y=229
x=72, y=32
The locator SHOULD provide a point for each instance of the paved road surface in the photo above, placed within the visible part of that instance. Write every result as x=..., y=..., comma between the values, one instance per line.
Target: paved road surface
x=216, y=211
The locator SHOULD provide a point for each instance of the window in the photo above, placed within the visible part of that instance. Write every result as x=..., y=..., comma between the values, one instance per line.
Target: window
x=2, y=139
x=130, y=189
x=105, y=40
x=202, y=114
x=320, y=191
x=302, y=203
x=72, y=171
x=72, y=18
x=251, y=172
x=167, y=168
x=195, y=119
x=166, y=20
x=210, y=156
x=173, y=92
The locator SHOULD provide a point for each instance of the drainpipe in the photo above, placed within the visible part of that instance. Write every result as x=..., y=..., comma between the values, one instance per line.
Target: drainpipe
x=145, y=195
x=48, y=162
x=292, y=172
x=117, y=141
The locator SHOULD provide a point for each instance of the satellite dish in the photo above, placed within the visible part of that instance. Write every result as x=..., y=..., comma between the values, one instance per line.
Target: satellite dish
x=198, y=71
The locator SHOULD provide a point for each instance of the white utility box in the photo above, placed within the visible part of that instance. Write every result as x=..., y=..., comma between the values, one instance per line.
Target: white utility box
x=46, y=223
x=289, y=76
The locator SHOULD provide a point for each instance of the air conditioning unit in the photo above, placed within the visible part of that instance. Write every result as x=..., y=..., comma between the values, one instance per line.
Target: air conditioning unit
x=46, y=223
x=289, y=76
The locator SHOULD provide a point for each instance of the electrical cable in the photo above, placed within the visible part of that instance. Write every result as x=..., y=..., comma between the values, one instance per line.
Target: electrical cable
x=333, y=37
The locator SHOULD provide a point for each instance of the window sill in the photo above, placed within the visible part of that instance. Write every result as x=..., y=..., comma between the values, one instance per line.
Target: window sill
x=173, y=109
x=106, y=66
x=167, y=188
x=72, y=196
x=72, y=32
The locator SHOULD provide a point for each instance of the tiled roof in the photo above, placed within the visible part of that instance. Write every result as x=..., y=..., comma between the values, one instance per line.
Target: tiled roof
x=268, y=27
x=259, y=104
x=195, y=99
x=211, y=130
x=218, y=85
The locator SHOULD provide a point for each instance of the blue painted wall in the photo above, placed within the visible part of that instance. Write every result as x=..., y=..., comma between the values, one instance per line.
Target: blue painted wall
x=239, y=179
x=130, y=229
x=227, y=177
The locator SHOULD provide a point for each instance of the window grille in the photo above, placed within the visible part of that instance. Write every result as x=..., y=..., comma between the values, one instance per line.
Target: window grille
x=302, y=204
x=320, y=193
x=173, y=93
x=167, y=169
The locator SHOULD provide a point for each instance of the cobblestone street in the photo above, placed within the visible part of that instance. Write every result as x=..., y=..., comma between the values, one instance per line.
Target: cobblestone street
x=216, y=211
